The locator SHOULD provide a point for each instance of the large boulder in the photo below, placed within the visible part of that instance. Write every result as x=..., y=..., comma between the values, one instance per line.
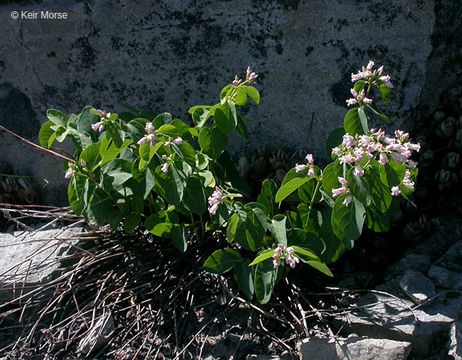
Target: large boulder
x=175, y=54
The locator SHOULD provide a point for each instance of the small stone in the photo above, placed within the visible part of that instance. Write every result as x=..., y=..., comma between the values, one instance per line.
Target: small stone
x=417, y=286
x=354, y=348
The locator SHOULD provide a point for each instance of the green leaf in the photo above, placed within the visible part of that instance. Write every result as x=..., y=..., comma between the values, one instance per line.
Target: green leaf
x=186, y=152
x=358, y=188
x=385, y=92
x=278, y=229
x=265, y=279
x=194, y=196
x=169, y=130
x=168, y=185
x=304, y=254
x=255, y=228
x=161, y=119
x=240, y=97
x=91, y=155
x=377, y=220
x=306, y=240
x=131, y=222
x=321, y=267
x=392, y=173
x=225, y=90
x=57, y=117
x=335, y=138
x=224, y=121
x=119, y=170
x=252, y=93
x=235, y=232
x=352, y=123
x=200, y=114
x=306, y=192
x=359, y=85
x=262, y=256
x=334, y=246
x=347, y=221
x=179, y=238
x=47, y=135
x=212, y=142
x=288, y=188
x=267, y=197
x=364, y=121
x=112, y=131
x=222, y=261
x=380, y=192
x=241, y=126
x=243, y=275
x=330, y=177
x=86, y=118
x=161, y=223
x=109, y=151
x=378, y=114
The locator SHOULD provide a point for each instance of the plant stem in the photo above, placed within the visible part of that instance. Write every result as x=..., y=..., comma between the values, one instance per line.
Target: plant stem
x=35, y=146
x=202, y=226
x=193, y=226
x=315, y=192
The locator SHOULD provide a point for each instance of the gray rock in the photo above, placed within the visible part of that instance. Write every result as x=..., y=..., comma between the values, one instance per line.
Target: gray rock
x=384, y=317
x=98, y=336
x=445, y=278
x=417, y=286
x=355, y=348
x=452, y=259
x=28, y=259
x=412, y=261
x=455, y=345
x=160, y=58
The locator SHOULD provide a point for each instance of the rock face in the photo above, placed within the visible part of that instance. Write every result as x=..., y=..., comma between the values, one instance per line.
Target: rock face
x=355, y=348
x=28, y=259
x=175, y=54
x=417, y=286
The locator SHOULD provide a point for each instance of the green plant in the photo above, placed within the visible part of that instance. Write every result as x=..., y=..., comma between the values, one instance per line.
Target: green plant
x=317, y=214
x=137, y=169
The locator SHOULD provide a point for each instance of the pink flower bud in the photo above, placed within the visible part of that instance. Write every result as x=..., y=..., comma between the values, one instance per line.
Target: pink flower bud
x=311, y=172
x=342, y=181
x=336, y=151
x=149, y=127
x=347, y=200
x=370, y=65
x=249, y=71
x=351, y=101
x=380, y=70
x=164, y=168
x=367, y=101
x=178, y=141
x=395, y=191
x=339, y=191
x=300, y=167
x=82, y=163
x=309, y=158
x=142, y=140
x=358, y=171
x=383, y=158
x=213, y=209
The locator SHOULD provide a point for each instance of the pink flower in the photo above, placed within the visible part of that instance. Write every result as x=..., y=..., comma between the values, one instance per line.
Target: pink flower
x=347, y=159
x=309, y=158
x=370, y=65
x=236, y=81
x=213, y=209
x=311, y=172
x=142, y=140
x=164, y=168
x=395, y=191
x=300, y=167
x=69, y=173
x=407, y=180
x=347, y=200
x=215, y=199
x=99, y=126
x=355, y=77
x=386, y=80
x=101, y=113
x=399, y=157
x=380, y=70
x=383, y=158
x=168, y=143
x=276, y=262
x=367, y=101
x=178, y=141
x=358, y=171
x=336, y=151
x=149, y=127
x=342, y=181
x=351, y=101
x=151, y=138
x=339, y=191
x=411, y=146
x=348, y=141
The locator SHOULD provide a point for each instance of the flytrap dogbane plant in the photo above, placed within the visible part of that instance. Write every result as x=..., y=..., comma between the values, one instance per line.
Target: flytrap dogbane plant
x=316, y=214
x=135, y=168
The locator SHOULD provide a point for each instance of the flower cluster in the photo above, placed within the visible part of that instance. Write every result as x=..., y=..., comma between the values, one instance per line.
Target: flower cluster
x=177, y=141
x=300, y=167
x=215, y=199
x=249, y=77
x=367, y=73
x=103, y=117
x=150, y=136
x=342, y=190
x=70, y=170
x=395, y=191
x=287, y=254
x=376, y=144
x=358, y=98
